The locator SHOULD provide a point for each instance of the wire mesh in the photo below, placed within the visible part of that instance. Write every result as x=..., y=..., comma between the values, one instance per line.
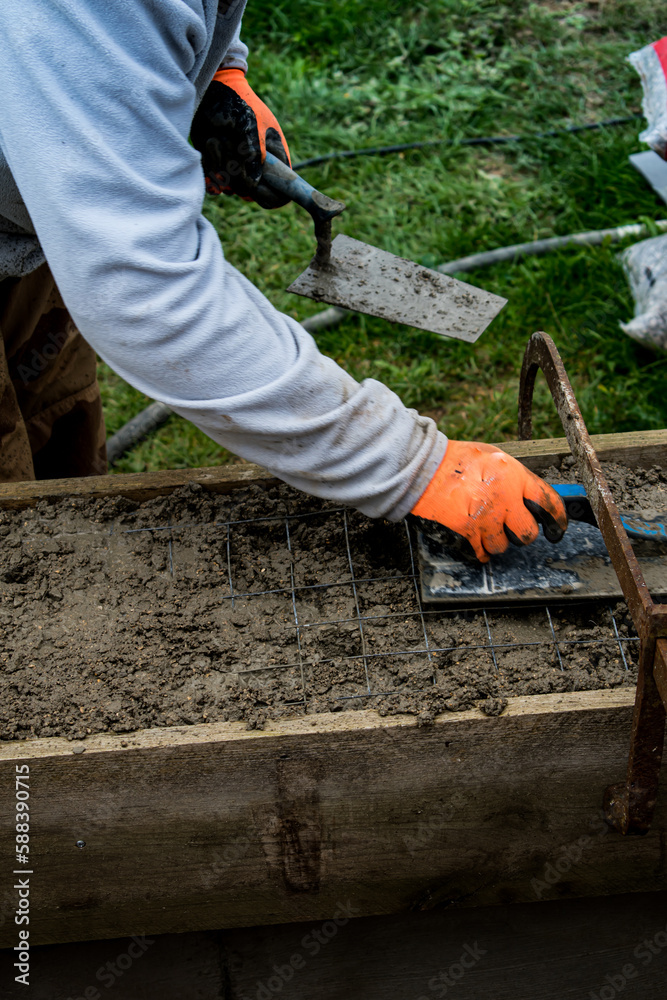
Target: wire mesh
x=339, y=597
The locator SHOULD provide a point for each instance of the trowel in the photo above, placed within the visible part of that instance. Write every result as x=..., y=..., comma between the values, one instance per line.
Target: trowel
x=578, y=566
x=362, y=278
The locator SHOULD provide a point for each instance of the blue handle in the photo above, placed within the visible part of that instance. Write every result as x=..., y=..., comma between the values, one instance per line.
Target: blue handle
x=578, y=508
x=569, y=491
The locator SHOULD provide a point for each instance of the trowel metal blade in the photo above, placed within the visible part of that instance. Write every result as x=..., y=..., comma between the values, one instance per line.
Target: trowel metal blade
x=365, y=279
x=577, y=567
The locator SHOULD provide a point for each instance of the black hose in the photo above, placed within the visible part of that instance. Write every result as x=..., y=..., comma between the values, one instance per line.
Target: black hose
x=136, y=429
x=157, y=414
x=484, y=140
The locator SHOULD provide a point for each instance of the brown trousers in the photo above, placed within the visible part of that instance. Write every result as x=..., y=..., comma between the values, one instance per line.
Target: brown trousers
x=51, y=420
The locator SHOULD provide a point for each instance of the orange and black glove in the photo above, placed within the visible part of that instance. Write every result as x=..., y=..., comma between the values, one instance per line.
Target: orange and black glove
x=486, y=497
x=232, y=130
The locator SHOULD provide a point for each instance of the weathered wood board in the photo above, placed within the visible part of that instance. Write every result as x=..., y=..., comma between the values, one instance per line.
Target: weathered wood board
x=143, y=967
x=640, y=449
x=216, y=826
x=637, y=449
x=570, y=948
x=137, y=486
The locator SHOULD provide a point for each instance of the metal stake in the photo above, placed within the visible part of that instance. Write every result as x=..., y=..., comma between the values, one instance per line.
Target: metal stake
x=628, y=805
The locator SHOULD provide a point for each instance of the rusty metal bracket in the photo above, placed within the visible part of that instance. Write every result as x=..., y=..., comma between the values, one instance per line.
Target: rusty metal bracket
x=628, y=805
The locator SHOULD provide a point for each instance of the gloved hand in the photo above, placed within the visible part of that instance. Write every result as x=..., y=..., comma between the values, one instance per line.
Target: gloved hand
x=232, y=130
x=490, y=499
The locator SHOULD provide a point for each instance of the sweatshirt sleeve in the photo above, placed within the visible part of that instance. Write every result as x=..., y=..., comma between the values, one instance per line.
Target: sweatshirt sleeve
x=98, y=98
x=236, y=56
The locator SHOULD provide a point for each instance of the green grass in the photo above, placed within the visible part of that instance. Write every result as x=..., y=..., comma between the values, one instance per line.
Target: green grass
x=453, y=70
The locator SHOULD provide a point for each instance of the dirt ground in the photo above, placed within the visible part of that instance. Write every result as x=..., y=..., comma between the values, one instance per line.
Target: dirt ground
x=118, y=616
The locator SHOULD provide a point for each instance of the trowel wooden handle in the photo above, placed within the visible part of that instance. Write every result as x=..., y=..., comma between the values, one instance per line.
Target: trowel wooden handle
x=288, y=183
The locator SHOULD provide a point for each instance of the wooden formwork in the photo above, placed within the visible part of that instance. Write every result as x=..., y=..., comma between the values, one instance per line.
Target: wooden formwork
x=215, y=826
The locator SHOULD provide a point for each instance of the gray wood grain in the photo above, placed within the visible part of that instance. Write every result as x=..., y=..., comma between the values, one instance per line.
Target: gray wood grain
x=215, y=826
x=637, y=449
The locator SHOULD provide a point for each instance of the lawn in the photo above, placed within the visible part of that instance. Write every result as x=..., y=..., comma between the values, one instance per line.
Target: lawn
x=400, y=73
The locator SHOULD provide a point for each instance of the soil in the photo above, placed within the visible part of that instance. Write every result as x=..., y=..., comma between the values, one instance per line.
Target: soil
x=262, y=604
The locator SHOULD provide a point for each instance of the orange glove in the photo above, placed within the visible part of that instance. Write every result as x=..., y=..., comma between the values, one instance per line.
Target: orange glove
x=232, y=130
x=487, y=497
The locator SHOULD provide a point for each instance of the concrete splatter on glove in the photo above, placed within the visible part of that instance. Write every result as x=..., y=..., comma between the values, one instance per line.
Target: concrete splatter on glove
x=232, y=130
x=489, y=499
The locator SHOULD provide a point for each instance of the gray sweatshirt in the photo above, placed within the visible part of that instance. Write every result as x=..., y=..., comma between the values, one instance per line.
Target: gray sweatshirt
x=98, y=178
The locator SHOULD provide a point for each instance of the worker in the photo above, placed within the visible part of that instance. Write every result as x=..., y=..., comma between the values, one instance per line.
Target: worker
x=104, y=248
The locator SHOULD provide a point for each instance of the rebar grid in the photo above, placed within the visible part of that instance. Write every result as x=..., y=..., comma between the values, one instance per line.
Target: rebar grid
x=428, y=649
x=485, y=617
x=296, y=617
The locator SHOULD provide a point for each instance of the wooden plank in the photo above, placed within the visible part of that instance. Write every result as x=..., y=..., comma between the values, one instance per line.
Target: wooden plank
x=590, y=948
x=136, y=486
x=217, y=826
x=638, y=449
x=143, y=967
x=323, y=723
x=519, y=952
